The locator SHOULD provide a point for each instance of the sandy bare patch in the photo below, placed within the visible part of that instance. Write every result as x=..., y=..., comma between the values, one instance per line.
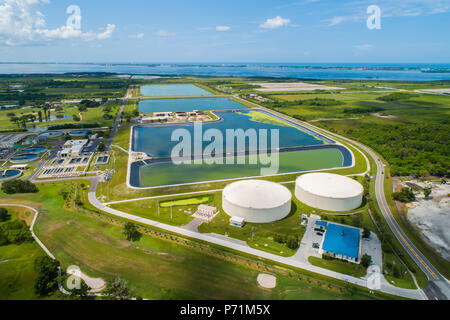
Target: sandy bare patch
x=267, y=281
x=292, y=86
x=96, y=284
x=383, y=115
x=443, y=90
x=432, y=216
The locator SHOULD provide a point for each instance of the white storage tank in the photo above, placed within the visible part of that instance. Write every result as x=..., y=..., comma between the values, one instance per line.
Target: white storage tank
x=329, y=192
x=257, y=201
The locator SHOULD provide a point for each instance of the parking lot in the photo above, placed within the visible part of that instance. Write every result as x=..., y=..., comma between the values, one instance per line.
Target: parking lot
x=310, y=243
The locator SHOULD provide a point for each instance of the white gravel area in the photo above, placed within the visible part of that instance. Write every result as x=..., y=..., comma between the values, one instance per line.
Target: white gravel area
x=267, y=281
x=291, y=86
x=432, y=217
x=96, y=284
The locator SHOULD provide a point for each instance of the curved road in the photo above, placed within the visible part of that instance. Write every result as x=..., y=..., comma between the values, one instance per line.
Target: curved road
x=438, y=287
x=243, y=247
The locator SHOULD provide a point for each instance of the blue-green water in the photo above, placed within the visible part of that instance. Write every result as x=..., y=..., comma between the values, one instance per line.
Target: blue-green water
x=6, y=174
x=177, y=105
x=356, y=71
x=35, y=150
x=24, y=158
x=156, y=141
x=173, y=90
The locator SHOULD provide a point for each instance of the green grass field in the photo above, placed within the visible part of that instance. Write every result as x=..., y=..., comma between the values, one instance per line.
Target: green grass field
x=158, y=268
x=352, y=269
x=17, y=274
x=185, y=202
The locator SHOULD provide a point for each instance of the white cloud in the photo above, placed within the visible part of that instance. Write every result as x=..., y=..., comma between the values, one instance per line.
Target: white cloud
x=22, y=23
x=164, y=33
x=364, y=47
x=222, y=28
x=336, y=20
x=136, y=36
x=275, y=23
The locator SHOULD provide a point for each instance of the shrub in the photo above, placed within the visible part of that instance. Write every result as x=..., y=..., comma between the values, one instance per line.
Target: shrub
x=47, y=279
x=406, y=195
x=15, y=232
x=19, y=186
x=292, y=242
x=366, y=260
x=4, y=215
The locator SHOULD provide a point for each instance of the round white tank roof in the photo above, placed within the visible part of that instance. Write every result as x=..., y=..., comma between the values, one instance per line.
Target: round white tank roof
x=257, y=194
x=330, y=185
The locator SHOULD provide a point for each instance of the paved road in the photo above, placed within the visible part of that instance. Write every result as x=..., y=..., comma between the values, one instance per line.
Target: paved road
x=118, y=121
x=43, y=164
x=438, y=287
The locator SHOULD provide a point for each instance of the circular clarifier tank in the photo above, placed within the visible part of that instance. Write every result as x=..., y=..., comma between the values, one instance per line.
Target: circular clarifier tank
x=9, y=174
x=24, y=158
x=35, y=150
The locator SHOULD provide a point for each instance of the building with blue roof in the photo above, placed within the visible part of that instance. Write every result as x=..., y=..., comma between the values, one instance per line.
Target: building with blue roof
x=342, y=242
x=321, y=225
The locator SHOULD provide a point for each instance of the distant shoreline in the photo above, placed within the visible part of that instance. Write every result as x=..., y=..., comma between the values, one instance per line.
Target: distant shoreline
x=305, y=71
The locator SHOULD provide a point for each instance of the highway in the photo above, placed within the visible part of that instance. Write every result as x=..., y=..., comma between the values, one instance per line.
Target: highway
x=438, y=287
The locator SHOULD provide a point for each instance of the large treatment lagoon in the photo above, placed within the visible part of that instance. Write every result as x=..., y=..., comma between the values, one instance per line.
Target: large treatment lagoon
x=189, y=104
x=160, y=144
x=300, y=150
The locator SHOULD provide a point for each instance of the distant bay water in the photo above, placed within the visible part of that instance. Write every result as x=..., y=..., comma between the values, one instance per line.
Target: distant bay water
x=355, y=71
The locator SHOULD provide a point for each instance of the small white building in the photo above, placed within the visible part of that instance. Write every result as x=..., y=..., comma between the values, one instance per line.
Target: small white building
x=20, y=167
x=237, y=222
x=72, y=148
x=205, y=212
x=154, y=119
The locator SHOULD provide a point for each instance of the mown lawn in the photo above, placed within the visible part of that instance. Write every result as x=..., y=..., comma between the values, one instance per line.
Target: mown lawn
x=17, y=273
x=352, y=269
x=155, y=268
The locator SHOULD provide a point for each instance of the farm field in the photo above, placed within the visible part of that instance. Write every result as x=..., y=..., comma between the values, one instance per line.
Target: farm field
x=172, y=90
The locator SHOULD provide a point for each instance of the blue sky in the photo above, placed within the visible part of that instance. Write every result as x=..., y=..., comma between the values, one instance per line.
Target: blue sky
x=225, y=31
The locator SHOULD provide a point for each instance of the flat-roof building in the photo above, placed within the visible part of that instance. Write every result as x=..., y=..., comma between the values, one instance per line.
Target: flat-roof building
x=342, y=242
x=72, y=148
x=237, y=222
x=9, y=141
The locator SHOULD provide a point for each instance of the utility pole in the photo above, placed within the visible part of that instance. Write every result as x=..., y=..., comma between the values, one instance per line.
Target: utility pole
x=158, y=208
x=170, y=212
